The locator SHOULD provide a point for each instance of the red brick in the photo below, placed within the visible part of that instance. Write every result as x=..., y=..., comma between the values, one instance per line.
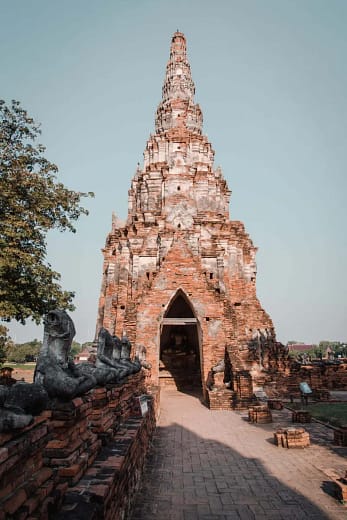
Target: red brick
x=14, y=501
x=41, y=476
x=71, y=471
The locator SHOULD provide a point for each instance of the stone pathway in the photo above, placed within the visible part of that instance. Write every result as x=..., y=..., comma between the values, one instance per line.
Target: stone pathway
x=216, y=465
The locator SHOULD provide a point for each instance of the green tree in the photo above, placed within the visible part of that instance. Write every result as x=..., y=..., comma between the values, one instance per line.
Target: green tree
x=332, y=345
x=5, y=343
x=24, y=352
x=32, y=202
x=87, y=344
x=75, y=349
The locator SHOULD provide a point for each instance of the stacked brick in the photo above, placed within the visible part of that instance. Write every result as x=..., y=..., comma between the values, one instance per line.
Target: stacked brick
x=113, y=405
x=321, y=394
x=103, y=413
x=301, y=416
x=340, y=436
x=27, y=487
x=93, y=446
x=74, y=446
x=275, y=404
x=259, y=414
x=320, y=377
x=340, y=487
x=333, y=376
x=315, y=377
x=221, y=399
x=243, y=397
x=292, y=438
x=107, y=488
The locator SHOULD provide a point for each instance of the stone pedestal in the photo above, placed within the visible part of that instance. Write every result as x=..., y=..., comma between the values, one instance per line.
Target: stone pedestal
x=301, y=416
x=340, y=488
x=340, y=436
x=292, y=438
x=321, y=394
x=275, y=404
x=221, y=399
x=259, y=414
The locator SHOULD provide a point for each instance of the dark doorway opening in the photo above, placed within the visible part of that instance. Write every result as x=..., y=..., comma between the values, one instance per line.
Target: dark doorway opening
x=179, y=364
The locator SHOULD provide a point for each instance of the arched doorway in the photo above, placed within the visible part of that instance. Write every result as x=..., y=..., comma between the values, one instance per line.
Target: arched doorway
x=179, y=362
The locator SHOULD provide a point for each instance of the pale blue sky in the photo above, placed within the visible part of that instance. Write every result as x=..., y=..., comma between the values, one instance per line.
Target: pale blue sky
x=271, y=79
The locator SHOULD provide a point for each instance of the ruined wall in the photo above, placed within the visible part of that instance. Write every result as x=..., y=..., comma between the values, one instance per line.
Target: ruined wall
x=79, y=459
x=318, y=375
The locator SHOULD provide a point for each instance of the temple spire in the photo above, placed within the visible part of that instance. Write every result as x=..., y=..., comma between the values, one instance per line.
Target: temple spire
x=177, y=108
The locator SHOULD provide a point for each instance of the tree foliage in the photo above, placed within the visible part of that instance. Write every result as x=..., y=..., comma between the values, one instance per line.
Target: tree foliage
x=5, y=343
x=337, y=348
x=32, y=202
x=23, y=352
x=75, y=349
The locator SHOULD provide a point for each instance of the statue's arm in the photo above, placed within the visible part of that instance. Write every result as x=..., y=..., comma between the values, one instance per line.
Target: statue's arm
x=76, y=372
x=108, y=361
x=72, y=368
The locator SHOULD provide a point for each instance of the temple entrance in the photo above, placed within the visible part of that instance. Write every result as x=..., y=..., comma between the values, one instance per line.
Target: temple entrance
x=179, y=362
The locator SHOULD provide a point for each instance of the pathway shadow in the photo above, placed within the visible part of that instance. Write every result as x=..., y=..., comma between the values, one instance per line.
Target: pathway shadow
x=271, y=441
x=328, y=488
x=191, y=477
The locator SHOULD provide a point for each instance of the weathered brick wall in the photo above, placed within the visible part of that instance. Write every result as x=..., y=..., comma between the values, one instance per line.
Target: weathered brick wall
x=318, y=376
x=73, y=446
x=182, y=272
x=26, y=483
x=107, y=488
x=84, y=457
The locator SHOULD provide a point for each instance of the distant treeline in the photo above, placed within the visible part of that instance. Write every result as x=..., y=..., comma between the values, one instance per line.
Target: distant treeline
x=27, y=352
x=323, y=349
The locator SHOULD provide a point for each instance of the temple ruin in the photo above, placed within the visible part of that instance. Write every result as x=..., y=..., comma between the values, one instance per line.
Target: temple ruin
x=179, y=277
x=179, y=283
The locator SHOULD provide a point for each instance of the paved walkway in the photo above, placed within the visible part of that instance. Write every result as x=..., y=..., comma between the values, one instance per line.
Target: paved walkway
x=216, y=465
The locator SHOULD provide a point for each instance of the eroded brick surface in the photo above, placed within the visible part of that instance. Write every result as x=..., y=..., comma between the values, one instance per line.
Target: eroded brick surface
x=179, y=240
x=84, y=456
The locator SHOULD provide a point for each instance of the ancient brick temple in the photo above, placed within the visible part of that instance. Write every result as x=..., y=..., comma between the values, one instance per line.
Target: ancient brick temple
x=179, y=276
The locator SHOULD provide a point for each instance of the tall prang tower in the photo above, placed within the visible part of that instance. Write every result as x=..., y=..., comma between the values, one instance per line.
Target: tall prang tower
x=179, y=276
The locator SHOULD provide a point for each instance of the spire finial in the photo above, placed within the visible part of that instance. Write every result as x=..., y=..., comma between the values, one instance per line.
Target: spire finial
x=177, y=108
